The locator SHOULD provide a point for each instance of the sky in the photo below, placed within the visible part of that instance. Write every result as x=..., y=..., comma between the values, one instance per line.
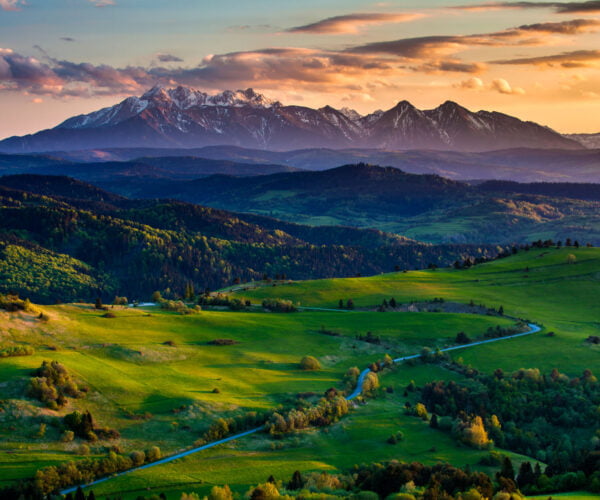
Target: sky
x=536, y=60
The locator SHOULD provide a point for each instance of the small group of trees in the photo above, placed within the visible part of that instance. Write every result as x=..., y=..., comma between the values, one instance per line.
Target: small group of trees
x=369, y=337
x=348, y=304
x=328, y=411
x=51, y=479
x=385, y=305
x=16, y=350
x=51, y=383
x=224, y=427
x=279, y=305
x=12, y=303
x=83, y=426
x=223, y=300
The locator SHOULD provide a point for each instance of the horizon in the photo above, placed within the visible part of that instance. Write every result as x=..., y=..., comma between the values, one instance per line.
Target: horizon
x=533, y=60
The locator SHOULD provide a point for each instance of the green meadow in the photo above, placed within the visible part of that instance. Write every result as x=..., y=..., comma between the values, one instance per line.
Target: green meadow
x=538, y=285
x=152, y=374
x=156, y=378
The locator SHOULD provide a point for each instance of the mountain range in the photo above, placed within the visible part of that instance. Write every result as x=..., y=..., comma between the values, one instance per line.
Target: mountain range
x=186, y=118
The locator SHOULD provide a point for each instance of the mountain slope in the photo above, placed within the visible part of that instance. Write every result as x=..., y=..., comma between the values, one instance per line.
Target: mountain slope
x=186, y=118
x=423, y=207
x=132, y=247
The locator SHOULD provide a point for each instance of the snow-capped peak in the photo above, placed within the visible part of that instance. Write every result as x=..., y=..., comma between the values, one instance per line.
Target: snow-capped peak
x=351, y=114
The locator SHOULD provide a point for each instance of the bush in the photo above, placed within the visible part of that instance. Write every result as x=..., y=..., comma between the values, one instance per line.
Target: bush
x=310, y=363
x=279, y=305
x=67, y=436
x=14, y=351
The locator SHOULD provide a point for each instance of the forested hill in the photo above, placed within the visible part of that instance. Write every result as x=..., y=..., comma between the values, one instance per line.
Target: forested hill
x=425, y=207
x=62, y=239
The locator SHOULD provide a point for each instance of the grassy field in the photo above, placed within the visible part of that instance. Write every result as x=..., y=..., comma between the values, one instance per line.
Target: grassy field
x=358, y=438
x=537, y=285
x=131, y=372
x=152, y=373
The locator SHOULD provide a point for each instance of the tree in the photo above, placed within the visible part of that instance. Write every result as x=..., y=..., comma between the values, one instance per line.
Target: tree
x=79, y=494
x=98, y=304
x=393, y=303
x=433, y=423
x=91, y=496
x=218, y=493
x=350, y=304
x=571, y=259
x=501, y=310
x=462, y=338
x=526, y=475
x=156, y=296
x=310, y=363
x=341, y=304
x=371, y=383
x=507, y=471
x=296, y=483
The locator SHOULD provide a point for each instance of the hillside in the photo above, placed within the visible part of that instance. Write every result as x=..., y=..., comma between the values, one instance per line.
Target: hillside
x=146, y=245
x=159, y=371
x=146, y=169
x=423, y=207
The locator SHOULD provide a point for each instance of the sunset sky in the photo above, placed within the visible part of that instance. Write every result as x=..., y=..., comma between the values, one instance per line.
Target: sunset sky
x=537, y=60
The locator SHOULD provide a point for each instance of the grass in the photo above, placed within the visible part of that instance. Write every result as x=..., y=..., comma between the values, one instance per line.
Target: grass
x=151, y=361
x=161, y=364
x=359, y=438
x=538, y=285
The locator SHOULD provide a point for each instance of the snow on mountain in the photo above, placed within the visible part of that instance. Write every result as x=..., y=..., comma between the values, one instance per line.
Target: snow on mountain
x=185, y=117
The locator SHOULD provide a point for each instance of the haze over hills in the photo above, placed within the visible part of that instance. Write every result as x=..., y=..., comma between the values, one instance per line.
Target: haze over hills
x=151, y=164
x=425, y=207
x=184, y=118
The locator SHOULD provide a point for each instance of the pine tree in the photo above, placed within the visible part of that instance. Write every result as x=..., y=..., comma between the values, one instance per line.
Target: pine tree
x=507, y=471
x=98, y=304
x=297, y=482
x=433, y=423
x=79, y=494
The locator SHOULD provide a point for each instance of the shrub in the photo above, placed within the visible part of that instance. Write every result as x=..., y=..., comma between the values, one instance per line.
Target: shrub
x=310, y=363
x=137, y=458
x=9, y=352
x=371, y=383
x=279, y=305
x=223, y=342
x=67, y=436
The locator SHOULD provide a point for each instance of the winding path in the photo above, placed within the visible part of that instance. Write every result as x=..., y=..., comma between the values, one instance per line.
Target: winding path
x=356, y=393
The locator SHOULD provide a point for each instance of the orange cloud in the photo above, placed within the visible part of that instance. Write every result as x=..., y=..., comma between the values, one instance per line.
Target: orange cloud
x=589, y=7
x=502, y=86
x=573, y=59
x=352, y=23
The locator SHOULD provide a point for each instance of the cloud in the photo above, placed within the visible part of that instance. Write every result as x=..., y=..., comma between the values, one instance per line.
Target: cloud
x=589, y=7
x=289, y=68
x=502, y=86
x=102, y=3
x=250, y=28
x=67, y=39
x=165, y=58
x=472, y=83
x=352, y=23
x=573, y=27
x=573, y=59
x=11, y=4
x=449, y=65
